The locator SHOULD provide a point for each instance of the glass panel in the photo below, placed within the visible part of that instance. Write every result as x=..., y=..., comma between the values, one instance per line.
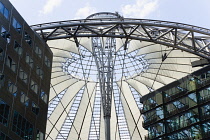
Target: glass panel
x=1, y=54
x=4, y=112
x=43, y=96
x=35, y=108
x=18, y=48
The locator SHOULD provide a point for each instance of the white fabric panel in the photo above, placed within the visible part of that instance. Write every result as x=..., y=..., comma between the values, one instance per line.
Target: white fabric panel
x=152, y=48
x=57, y=52
x=55, y=131
x=57, y=74
x=120, y=43
x=81, y=113
x=59, y=110
x=60, y=79
x=141, y=88
x=148, y=82
x=86, y=42
x=86, y=125
x=65, y=44
x=159, y=78
x=49, y=126
x=131, y=114
x=68, y=96
x=168, y=73
x=113, y=122
x=56, y=64
x=61, y=86
x=55, y=69
x=134, y=45
x=59, y=59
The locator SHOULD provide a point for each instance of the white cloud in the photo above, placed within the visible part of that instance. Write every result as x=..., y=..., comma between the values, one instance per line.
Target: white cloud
x=50, y=5
x=140, y=9
x=85, y=12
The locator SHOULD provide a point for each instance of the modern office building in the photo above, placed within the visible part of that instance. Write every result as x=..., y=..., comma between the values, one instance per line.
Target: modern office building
x=25, y=71
x=179, y=110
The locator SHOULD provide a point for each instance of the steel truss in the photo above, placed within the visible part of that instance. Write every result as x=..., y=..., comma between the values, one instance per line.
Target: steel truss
x=166, y=33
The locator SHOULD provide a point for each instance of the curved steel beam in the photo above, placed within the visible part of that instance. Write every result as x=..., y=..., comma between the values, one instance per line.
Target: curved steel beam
x=177, y=35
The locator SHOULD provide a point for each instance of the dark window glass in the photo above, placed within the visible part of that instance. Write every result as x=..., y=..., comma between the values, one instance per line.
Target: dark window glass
x=23, y=76
x=1, y=79
x=11, y=64
x=1, y=54
x=34, y=86
x=39, y=135
x=24, y=99
x=47, y=61
x=29, y=60
x=4, y=137
x=4, y=11
x=5, y=34
x=1, y=7
x=12, y=88
x=38, y=51
x=43, y=96
x=28, y=38
x=39, y=72
x=22, y=127
x=4, y=112
x=18, y=48
x=35, y=108
x=16, y=25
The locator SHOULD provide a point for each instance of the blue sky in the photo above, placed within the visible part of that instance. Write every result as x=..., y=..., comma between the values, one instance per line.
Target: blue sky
x=194, y=12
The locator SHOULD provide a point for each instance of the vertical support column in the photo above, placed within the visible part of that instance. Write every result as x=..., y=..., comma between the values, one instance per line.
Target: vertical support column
x=103, y=52
x=107, y=127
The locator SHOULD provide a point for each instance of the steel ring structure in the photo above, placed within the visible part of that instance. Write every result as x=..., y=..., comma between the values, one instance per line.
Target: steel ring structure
x=103, y=64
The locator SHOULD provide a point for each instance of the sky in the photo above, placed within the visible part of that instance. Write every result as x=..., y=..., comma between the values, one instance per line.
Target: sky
x=194, y=12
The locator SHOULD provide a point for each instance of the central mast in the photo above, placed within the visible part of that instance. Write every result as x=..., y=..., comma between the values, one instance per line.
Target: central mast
x=103, y=52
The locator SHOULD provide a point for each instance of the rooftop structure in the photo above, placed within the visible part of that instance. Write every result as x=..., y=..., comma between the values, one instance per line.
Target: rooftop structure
x=104, y=64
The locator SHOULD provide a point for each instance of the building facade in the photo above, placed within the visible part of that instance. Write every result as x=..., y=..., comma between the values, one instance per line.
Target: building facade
x=180, y=110
x=25, y=72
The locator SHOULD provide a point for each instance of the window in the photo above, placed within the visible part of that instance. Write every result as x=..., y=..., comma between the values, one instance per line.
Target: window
x=39, y=135
x=34, y=86
x=24, y=99
x=1, y=79
x=43, y=96
x=39, y=72
x=16, y=25
x=38, y=51
x=4, y=112
x=18, y=48
x=47, y=61
x=1, y=54
x=22, y=127
x=4, y=11
x=28, y=38
x=11, y=64
x=29, y=60
x=5, y=34
x=12, y=88
x=23, y=76
x=35, y=108
x=4, y=137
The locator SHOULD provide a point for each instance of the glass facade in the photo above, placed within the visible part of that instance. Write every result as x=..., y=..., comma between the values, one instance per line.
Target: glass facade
x=180, y=110
x=22, y=127
x=24, y=78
